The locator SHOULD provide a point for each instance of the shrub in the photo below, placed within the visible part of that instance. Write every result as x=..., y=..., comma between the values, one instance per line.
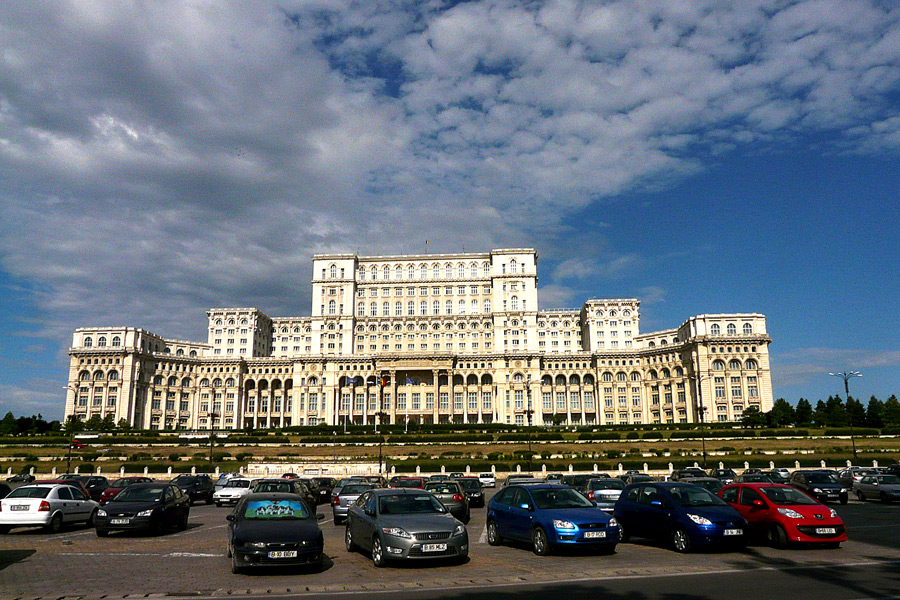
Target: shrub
x=140, y=456
x=653, y=435
x=633, y=435
x=840, y=431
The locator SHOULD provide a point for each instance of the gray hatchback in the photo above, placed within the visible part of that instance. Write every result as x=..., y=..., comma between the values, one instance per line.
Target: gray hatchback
x=395, y=524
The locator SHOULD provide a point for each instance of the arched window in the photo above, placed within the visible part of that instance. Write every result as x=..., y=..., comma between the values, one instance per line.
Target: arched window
x=679, y=372
x=398, y=309
x=588, y=380
x=88, y=342
x=436, y=307
x=361, y=308
x=229, y=382
x=116, y=341
x=373, y=272
x=546, y=380
x=179, y=352
x=751, y=364
x=84, y=376
x=173, y=381
x=448, y=270
x=158, y=380
x=514, y=303
x=635, y=376
x=333, y=271
x=513, y=266
x=332, y=307
x=373, y=309
x=217, y=382
x=204, y=382
x=167, y=350
x=607, y=377
x=113, y=376
x=423, y=307
x=652, y=374
x=732, y=329
x=362, y=274
x=411, y=272
x=612, y=313
x=487, y=306
x=461, y=270
x=385, y=309
x=313, y=381
x=435, y=271
x=734, y=365
x=386, y=272
x=715, y=329
x=561, y=380
x=748, y=329
x=423, y=271
x=663, y=342
x=487, y=269
x=651, y=344
x=718, y=365
x=666, y=374
x=473, y=270
x=398, y=273
x=620, y=377
x=574, y=380
x=101, y=342
x=186, y=382
x=626, y=313
x=193, y=354
x=98, y=375
x=410, y=308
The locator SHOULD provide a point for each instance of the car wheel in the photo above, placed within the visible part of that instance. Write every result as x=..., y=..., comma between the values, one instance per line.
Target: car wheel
x=623, y=537
x=493, y=534
x=102, y=533
x=539, y=542
x=681, y=541
x=209, y=499
x=55, y=524
x=338, y=521
x=156, y=527
x=348, y=539
x=844, y=499
x=778, y=537
x=860, y=495
x=190, y=500
x=4, y=529
x=183, y=523
x=885, y=498
x=92, y=520
x=377, y=552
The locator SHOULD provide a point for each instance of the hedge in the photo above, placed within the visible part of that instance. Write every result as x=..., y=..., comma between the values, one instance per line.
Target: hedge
x=534, y=437
x=602, y=435
x=852, y=431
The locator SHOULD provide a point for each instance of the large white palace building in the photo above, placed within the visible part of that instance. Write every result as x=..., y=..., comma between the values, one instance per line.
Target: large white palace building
x=449, y=338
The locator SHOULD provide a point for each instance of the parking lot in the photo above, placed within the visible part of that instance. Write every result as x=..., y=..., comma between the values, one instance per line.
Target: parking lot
x=77, y=563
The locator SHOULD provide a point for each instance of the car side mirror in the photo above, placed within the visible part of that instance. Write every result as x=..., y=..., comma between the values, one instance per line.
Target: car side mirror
x=758, y=503
x=369, y=511
x=656, y=503
x=874, y=483
x=525, y=505
x=229, y=517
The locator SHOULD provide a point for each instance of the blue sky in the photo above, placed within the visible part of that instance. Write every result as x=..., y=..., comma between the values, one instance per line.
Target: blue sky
x=158, y=159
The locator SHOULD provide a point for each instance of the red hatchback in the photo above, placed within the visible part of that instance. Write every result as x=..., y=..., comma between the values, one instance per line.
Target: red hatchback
x=784, y=514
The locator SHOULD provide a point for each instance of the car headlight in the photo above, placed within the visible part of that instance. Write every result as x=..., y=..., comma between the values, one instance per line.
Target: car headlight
x=101, y=513
x=817, y=490
x=833, y=513
x=145, y=513
x=791, y=514
x=560, y=524
x=699, y=520
x=460, y=529
x=613, y=523
x=396, y=532
x=845, y=491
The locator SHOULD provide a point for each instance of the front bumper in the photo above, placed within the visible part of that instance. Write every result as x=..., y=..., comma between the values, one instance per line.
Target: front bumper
x=581, y=537
x=124, y=523
x=830, y=496
x=260, y=557
x=396, y=548
x=715, y=536
x=226, y=499
x=812, y=531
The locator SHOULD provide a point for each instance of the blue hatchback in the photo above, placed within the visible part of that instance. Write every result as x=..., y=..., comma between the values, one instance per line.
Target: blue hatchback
x=547, y=516
x=686, y=515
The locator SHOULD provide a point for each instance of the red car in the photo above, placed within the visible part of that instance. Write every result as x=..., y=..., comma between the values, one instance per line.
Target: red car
x=784, y=514
x=118, y=485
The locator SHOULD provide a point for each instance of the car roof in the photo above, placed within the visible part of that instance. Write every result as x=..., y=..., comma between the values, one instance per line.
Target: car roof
x=395, y=491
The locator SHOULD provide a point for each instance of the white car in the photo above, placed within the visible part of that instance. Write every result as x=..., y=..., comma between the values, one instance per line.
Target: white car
x=223, y=480
x=48, y=505
x=487, y=479
x=235, y=489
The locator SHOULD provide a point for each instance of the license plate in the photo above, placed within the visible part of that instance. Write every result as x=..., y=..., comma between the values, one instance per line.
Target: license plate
x=119, y=521
x=588, y=535
x=734, y=532
x=826, y=530
x=19, y=507
x=283, y=554
x=434, y=547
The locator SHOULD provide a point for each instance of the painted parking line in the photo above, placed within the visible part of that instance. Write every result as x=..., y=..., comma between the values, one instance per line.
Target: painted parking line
x=482, y=539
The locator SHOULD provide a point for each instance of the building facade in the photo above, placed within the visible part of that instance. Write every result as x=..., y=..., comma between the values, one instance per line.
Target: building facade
x=450, y=338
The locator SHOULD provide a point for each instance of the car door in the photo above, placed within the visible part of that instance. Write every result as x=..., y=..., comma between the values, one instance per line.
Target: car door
x=500, y=510
x=521, y=514
x=81, y=505
x=628, y=511
x=65, y=503
x=361, y=522
x=655, y=512
x=754, y=508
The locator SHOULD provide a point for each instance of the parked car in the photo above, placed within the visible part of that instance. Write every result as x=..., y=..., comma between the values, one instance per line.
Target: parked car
x=21, y=478
x=197, y=487
x=710, y=483
x=605, y=492
x=234, y=490
x=409, y=482
x=223, y=480
x=404, y=524
x=322, y=487
x=549, y=515
x=852, y=474
x=150, y=507
x=336, y=490
x=5, y=489
x=290, y=476
x=118, y=485
x=75, y=483
x=682, y=474
x=487, y=479
x=822, y=485
x=284, y=486
x=554, y=477
x=439, y=477
x=48, y=505
x=752, y=478
x=579, y=482
x=624, y=476
x=684, y=514
x=777, y=475
x=457, y=475
x=518, y=477
x=884, y=487
x=93, y=484
x=784, y=514
x=377, y=480
x=638, y=478
x=726, y=476
x=274, y=529
x=474, y=491
x=782, y=472
x=340, y=504
x=452, y=496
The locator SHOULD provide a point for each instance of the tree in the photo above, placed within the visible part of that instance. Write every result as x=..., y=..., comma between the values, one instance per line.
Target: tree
x=891, y=413
x=782, y=414
x=803, y=415
x=94, y=423
x=835, y=412
x=856, y=412
x=820, y=415
x=873, y=413
x=8, y=425
x=123, y=425
x=752, y=417
x=73, y=425
x=108, y=423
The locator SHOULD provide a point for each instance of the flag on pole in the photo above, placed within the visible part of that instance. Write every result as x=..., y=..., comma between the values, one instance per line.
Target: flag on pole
x=350, y=380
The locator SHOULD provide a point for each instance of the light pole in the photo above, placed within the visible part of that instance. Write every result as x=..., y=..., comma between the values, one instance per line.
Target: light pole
x=701, y=412
x=847, y=376
x=212, y=434
x=333, y=447
x=529, y=412
x=74, y=390
x=379, y=416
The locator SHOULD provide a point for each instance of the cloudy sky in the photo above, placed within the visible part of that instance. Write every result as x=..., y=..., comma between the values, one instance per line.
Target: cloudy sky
x=158, y=159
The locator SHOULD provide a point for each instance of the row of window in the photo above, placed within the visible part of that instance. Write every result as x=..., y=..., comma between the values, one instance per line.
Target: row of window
x=730, y=329
x=397, y=272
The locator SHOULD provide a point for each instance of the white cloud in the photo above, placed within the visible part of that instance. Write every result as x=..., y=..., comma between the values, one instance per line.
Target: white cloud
x=802, y=365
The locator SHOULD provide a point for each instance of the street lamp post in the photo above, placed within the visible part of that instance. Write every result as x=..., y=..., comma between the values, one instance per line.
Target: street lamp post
x=847, y=376
x=379, y=416
x=701, y=412
x=529, y=412
x=74, y=390
x=212, y=438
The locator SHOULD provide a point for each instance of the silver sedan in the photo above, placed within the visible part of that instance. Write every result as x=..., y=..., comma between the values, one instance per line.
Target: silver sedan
x=349, y=493
x=882, y=487
x=404, y=524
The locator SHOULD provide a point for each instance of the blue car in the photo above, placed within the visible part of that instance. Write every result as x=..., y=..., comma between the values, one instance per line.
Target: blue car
x=685, y=515
x=549, y=515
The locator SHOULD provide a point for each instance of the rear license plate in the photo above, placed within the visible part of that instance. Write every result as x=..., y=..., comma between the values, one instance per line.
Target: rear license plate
x=283, y=554
x=119, y=521
x=734, y=532
x=826, y=530
x=19, y=507
x=589, y=535
x=434, y=547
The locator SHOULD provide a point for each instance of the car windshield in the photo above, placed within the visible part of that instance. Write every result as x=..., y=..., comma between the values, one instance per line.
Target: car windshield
x=121, y=482
x=821, y=478
x=695, y=496
x=606, y=484
x=442, y=488
x=140, y=494
x=238, y=483
x=183, y=479
x=270, y=510
x=355, y=489
x=641, y=478
x=274, y=486
x=559, y=498
x=403, y=504
x=756, y=477
x=713, y=485
x=408, y=483
x=786, y=496
x=889, y=479
x=469, y=484
x=29, y=492
x=487, y=475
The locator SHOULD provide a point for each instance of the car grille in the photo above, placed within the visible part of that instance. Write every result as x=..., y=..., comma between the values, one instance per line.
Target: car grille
x=287, y=546
x=592, y=526
x=433, y=535
x=810, y=530
x=417, y=551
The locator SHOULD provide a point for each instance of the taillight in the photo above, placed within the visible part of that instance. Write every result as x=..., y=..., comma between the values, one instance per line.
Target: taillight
x=457, y=498
x=591, y=495
x=335, y=501
x=45, y=506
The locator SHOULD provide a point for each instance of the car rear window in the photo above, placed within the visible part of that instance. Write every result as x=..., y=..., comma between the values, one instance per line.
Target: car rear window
x=238, y=483
x=27, y=492
x=441, y=488
x=355, y=489
x=284, y=488
x=265, y=510
x=606, y=484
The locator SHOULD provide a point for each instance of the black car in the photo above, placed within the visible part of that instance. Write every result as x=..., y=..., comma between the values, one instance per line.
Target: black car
x=775, y=476
x=94, y=484
x=4, y=490
x=286, y=486
x=726, y=476
x=197, y=487
x=21, y=478
x=274, y=529
x=152, y=507
x=822, y=485
x=321, y=486
x=474, y=492
x=579, y=482
x=682, y=474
